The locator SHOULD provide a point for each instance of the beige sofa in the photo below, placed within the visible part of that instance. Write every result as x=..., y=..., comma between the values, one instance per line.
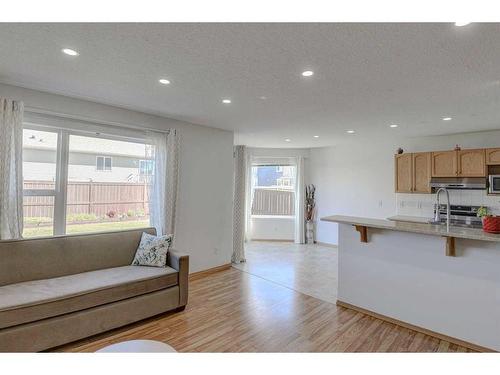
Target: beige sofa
x=61, y=289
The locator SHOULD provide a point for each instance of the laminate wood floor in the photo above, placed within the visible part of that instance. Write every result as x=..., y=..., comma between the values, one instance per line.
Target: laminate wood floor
x=234, y=311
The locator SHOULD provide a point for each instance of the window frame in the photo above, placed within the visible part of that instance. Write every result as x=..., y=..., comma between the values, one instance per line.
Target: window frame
x=104, y=163
x=279, y=168
x=62, y=163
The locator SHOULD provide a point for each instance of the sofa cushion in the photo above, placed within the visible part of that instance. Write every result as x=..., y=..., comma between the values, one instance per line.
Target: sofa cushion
x=34, y=300
x=49, y=257
x=152, y=250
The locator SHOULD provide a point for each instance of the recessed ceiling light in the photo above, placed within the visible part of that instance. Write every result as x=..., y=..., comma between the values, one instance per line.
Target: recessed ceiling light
x=393, y=125
x=460, y=24
x=164, y=81
x=307, y=73
x=446, y=118
x=316, y=136
x=350, y=131
x=70, y=52
x=262, y=97
x=288, y=140
x=226, y=101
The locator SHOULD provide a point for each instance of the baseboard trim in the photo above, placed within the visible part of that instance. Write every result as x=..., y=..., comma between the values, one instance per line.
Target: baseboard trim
x=326, y=244
x=272, y=240
x=425, y=331
x=204, y=273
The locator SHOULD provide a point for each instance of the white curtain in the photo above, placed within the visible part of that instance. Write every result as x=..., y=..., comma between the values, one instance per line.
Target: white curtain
x=299, y=202
x=11, y=173
x=163, y=194
x=240, y=203
x=249, y=191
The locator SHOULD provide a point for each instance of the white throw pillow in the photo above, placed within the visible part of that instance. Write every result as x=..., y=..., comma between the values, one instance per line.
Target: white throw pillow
x=152, y=250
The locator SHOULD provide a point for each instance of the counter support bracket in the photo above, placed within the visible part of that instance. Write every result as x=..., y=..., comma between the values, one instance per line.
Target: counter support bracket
x=363, y=233
x=450, y=246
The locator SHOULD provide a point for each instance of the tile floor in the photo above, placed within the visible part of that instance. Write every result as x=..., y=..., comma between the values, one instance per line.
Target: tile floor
x=308, y=269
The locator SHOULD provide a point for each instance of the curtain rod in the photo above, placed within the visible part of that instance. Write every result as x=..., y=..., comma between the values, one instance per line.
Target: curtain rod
x=62, y=115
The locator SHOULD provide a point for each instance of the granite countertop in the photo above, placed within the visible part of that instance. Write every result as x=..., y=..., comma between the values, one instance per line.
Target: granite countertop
x=411, y=219
x=416, y=227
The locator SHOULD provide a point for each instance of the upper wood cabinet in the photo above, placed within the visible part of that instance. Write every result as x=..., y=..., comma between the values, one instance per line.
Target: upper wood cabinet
x=403, y=173
x=413, y=172
x=493, y=156
x=462, y=163
x=471, y=163
x=444, y=164
x=421, y=172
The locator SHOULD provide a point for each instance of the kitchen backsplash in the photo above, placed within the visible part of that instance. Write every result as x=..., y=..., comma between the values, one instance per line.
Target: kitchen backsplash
x=423, y=204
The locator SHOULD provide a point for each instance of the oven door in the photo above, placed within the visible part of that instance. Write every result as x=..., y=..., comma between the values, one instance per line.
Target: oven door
x=494, y=182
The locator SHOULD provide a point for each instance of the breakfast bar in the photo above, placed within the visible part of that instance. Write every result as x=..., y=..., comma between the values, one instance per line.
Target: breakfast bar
x=441, y=282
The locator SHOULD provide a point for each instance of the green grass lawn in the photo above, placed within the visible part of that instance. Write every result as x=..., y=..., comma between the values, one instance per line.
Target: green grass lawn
x=86, y=228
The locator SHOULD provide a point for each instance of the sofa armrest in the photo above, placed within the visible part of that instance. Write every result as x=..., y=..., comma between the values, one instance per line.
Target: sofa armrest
x=180, y=262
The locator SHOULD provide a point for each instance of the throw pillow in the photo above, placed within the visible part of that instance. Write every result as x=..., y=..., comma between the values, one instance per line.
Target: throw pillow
x=152, y=251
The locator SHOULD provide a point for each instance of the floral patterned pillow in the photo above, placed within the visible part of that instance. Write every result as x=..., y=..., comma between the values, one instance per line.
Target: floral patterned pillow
x=152, y=251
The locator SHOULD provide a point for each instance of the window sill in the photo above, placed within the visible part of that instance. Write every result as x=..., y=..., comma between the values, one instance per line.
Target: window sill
x=280, y=217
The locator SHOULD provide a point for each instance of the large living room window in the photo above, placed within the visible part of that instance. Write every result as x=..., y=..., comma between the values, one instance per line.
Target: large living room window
x=273, y=190
x=65, y=190
x=39, y=182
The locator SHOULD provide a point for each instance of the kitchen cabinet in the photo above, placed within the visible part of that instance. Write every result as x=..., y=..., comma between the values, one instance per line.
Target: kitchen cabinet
x=403, y=173
x=421, y=165
x=471, y=163
x=493, y=156
x=413, y=172
x=462, y=163
x=444, y=164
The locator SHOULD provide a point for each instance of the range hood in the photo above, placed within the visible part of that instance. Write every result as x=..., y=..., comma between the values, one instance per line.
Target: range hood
x=464, y=183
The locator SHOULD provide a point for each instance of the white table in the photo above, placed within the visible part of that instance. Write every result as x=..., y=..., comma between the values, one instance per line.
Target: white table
x=138, y=346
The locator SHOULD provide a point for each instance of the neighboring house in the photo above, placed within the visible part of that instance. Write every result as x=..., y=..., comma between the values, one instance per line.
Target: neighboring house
x=275, y=176
x=98, y=160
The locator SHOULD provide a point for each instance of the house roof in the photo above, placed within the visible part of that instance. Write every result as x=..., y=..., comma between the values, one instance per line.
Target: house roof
x=42, y=140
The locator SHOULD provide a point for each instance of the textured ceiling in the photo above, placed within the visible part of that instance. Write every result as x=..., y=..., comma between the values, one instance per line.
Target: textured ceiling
x=367, y=76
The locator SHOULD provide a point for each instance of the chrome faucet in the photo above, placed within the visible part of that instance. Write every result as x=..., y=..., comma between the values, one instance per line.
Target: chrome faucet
x=437, y=215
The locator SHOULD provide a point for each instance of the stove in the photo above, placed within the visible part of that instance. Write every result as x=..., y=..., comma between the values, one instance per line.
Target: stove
x=461, y=215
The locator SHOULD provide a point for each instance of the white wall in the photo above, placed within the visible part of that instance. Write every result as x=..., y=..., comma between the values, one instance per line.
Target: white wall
x=272, y=228
x=357, y=178
x=204, y=213
x=278, y=228
x=278, y=152
x=406, y=276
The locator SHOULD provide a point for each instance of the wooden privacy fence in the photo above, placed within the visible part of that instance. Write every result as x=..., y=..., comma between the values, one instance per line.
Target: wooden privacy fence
x=273, y=202
x=98, y=198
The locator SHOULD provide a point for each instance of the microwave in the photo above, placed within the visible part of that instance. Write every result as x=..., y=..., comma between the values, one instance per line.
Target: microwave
x=494, y=184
